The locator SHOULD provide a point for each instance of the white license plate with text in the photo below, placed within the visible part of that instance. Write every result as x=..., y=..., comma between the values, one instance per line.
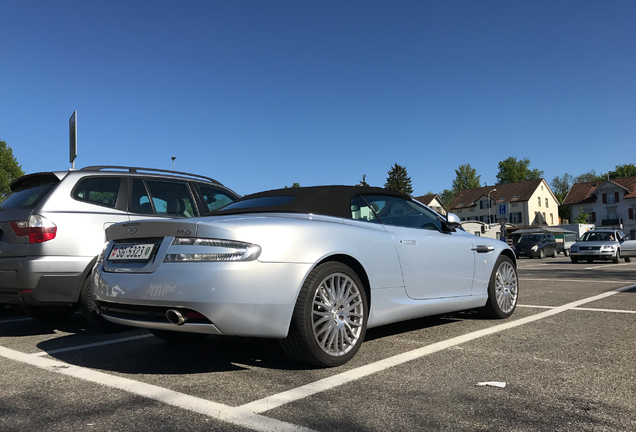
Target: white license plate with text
x=139, y=252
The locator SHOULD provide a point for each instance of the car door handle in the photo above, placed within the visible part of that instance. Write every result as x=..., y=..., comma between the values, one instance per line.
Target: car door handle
x=408, y=242
x=483, y=248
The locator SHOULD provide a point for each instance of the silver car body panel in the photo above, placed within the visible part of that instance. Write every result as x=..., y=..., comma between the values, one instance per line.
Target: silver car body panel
x=257, y=298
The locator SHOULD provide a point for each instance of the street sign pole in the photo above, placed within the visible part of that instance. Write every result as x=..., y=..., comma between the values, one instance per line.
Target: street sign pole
x=72, y=133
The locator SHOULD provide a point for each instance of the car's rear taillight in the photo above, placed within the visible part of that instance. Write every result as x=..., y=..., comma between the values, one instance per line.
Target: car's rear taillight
x=38, y=228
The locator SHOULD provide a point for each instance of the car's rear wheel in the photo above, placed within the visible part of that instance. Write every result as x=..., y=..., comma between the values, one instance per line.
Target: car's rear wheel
x=330, y=318
x=178, y=336
x=90, y=313
x=503, y=289
x=566, y=252
x=628, y=259
x=50, y=313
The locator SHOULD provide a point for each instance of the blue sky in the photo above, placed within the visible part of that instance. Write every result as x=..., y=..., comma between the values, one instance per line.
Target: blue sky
x=262, y=94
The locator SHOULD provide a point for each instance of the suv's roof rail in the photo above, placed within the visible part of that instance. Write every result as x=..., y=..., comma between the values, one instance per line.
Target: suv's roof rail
x=137, y=169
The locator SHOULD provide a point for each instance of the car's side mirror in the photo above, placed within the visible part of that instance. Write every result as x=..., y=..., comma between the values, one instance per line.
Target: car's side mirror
x=452, y=221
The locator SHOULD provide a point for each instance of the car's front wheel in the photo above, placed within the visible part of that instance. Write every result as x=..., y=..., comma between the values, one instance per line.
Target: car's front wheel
x=503, y=289
x=541, y=253
x=574, y=260
x=330, y=318
x=617, y=257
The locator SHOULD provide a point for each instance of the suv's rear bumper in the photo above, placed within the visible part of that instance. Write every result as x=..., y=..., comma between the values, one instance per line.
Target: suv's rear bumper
x=42, y=280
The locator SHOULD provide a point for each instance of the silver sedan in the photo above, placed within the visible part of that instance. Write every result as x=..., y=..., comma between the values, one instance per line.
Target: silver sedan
x=314, y=267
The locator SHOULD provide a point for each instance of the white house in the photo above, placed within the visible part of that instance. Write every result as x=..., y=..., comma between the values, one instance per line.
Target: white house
x=433, y=201
x=606, y=202
x=524, y=203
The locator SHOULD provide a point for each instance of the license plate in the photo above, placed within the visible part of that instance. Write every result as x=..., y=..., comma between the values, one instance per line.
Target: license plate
x=140, y=252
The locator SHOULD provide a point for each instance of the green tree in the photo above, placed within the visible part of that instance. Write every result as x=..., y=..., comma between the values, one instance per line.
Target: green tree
x=398, y=180
x=294, y=185
x=622, y=171
x=582, y=217
x=561, y=186
x=465, y=178
x=9, y=170
x=447, y=196
x=588, y=177
x=514, y=170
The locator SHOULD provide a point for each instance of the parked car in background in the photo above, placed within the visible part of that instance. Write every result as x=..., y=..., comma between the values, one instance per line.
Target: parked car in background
x=52, y=228
x=603, y=244
x=537, y=245
x=314, y=267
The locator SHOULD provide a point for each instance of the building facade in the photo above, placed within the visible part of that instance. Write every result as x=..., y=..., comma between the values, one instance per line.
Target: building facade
x=606, y=203
x=525, y=203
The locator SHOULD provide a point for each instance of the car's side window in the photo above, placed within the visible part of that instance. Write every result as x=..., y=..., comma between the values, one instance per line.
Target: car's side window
x=140, y=198
x=101, y=191
x=400, y=212
x=361, y=210
x=214, y=199
x=172, y=198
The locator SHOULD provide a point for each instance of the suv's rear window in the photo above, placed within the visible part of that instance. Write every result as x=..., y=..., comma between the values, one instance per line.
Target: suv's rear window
x=30, y=195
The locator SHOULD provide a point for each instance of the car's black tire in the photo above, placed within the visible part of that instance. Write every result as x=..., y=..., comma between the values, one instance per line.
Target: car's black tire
x=50, y=313
x=178, y=336
x=330, y=317
x=90, y=314
x=541, y=253
x=617, y=257
x=503, y=289
x=554, y=253
x=566, y=252
x=574, y=260
x=628, y=259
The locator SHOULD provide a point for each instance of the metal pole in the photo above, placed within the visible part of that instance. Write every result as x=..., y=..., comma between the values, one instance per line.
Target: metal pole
x=489, y=204
x=173, y=158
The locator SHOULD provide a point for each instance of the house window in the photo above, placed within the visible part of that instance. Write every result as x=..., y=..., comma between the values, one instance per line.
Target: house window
x=539, y=201
x=551, y=219
x=608, y=199
x=472, y=210
x=631, y=213
x=484, y=204
x=515, y=205
x=546, y=203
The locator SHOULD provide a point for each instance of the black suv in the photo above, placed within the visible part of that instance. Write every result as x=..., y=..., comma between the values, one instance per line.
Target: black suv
x=52, y=228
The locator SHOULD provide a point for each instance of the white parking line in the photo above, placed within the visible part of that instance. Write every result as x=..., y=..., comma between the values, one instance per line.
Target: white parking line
x=605, y=266
x=283, y=398
x=248, y=415
x=574, y=280
x=580, y=308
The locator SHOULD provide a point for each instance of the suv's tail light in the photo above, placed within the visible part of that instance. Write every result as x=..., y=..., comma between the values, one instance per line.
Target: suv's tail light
x=38, y=228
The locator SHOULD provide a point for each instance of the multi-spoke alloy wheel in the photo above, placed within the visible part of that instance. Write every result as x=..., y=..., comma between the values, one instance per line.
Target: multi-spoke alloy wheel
x=503, y=289
x=330, y=317
x=506, y=287
x=337, y=315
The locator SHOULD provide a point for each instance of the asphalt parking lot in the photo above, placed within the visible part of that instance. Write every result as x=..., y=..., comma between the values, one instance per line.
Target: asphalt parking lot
x=564, y=361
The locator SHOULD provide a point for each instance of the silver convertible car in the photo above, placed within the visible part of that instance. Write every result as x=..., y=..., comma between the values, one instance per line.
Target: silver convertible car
x=314, y=267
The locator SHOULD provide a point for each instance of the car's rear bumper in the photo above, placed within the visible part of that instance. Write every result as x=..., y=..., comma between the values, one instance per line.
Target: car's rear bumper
x=42, y=280
x=236, y=298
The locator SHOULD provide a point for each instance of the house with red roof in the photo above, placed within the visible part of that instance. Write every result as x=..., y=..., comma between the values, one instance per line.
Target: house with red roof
x=524, y=203
x=606, y=202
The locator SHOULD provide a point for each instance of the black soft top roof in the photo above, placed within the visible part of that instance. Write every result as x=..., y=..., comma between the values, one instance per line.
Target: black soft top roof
x=324, y=200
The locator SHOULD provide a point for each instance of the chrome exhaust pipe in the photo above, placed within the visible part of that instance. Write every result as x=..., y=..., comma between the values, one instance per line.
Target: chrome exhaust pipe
x=175, y=317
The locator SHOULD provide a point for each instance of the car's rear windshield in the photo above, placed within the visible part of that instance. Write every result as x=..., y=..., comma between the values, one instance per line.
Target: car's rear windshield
x=29, y=194
x=268, y=201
